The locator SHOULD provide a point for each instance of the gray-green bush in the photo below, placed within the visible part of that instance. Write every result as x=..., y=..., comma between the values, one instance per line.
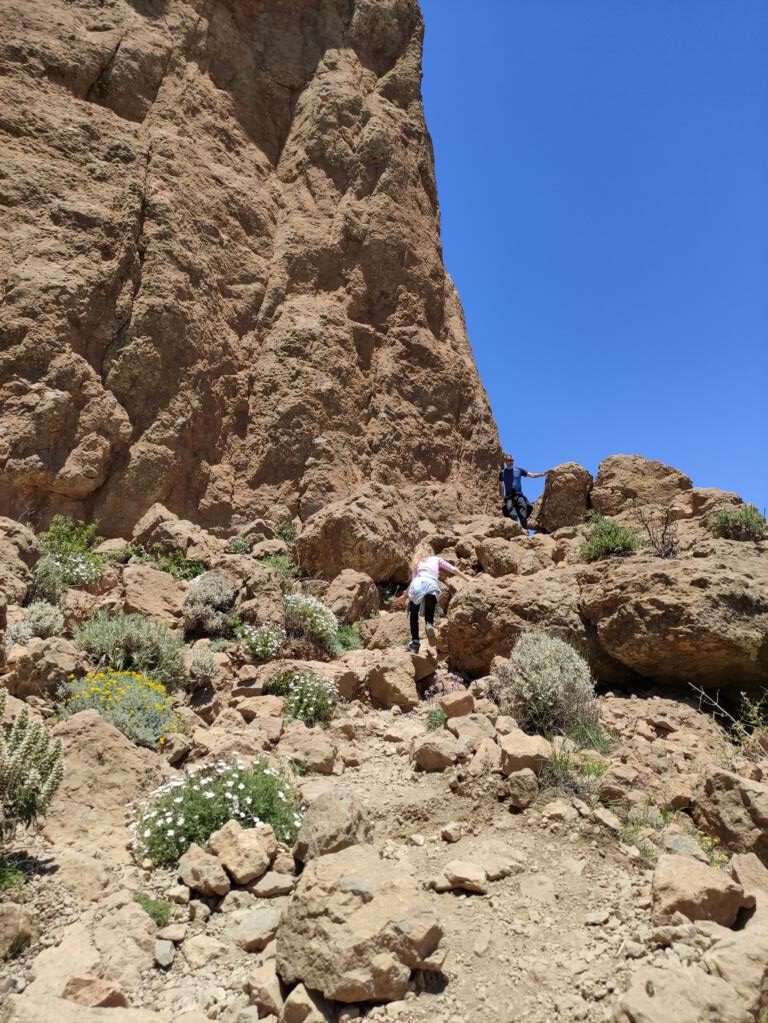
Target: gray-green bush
x=40, y=619
x=606, y=538
x=546, y=686
x=131, y=642
x=208, y=605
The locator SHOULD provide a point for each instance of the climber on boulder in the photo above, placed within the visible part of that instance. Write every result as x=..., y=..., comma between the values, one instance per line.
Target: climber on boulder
x=424, y=590
x=514, y=503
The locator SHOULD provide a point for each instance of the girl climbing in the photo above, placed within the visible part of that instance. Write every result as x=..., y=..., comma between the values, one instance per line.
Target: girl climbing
x=424, y=590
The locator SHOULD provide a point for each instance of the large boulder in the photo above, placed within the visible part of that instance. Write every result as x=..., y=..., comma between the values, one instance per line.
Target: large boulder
x=373, y=532
x=160, y=526
x=18, y=554
x=734, y=810
x=356, y=928
x=623, y=479
x=565, y=500
x=41, y=666
x=698, y=891
x=523, y=555
x=702, y=619
x=151, y=592
x=352, y=595
x=685, y=995
x=104, y=771
x=486, y=617
x=388, y=676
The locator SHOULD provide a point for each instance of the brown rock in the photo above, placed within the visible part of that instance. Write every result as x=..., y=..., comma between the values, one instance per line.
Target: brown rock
x=734, y=810
x=265, y=990
x=523, y=788
x=565, y=500
x=202, y=872
x=332, y=822
x=390, y=679
x=42, y=666
x=434, y=751
x=93, y=992
x=520, y=751
x=752, y=875
x=240, y=851
x=352, y=595
x=458, y=703
x=302, y=1007
x=741, y=960
x=356, y=927
x=18, y=556
x=697, y=890
x=104, y=772
x=658, y=995
x=622, y=479
x=310, y=746
x=255, y=928
x=17, y=928
x=460, y=874
x=153, y=593
x=390, y=629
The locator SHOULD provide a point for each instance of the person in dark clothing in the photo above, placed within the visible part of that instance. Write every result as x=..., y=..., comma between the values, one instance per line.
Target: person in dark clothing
x=514, y=504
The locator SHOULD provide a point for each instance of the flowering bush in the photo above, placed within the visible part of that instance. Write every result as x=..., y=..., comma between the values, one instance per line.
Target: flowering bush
x=262, y=642
x=133, y=642
x=309, y=697
x=31, y=769
x=546, y=686
x=135, y=704
x=40, y=619
x=67, y=557
x=208, y=605
x=188, y=810
x=309, y=617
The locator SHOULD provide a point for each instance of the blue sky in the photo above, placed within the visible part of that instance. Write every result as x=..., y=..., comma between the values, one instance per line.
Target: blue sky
x=603, y=175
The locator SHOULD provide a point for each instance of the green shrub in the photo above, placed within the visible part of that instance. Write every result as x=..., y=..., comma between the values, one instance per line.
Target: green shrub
x=263, y=642
x=174, y=562
x=286, y=532
x=280, y=563
x=238, y=545
x=203, y=669
x=436, y=719
x=347, y=638
x=67, y=558
x=742, y=523
x=40, y=619
x=606, y=538
x=11, y=876
x=309, y=618
x=183, y=812
x=591, y=735
x=158, y=910
x=546, y=686
x=208, y=605
x=133, y=643
x=309, y=697
x=31, y=769
x=135, y=704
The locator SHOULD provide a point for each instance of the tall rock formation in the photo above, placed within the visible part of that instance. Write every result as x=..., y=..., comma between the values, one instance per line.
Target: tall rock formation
x=221, y=280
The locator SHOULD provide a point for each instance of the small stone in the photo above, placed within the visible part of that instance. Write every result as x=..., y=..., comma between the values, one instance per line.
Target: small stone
x=256, y=928
x=202, y=872
x=94, y=992
x=173, y=932
x=240, y=851
x=200, y=950
x=460, y=874
x=165, y=952
x=523, y=788
x=272, y=885
x=598, y=918
x=458, y=703
x=451, y=832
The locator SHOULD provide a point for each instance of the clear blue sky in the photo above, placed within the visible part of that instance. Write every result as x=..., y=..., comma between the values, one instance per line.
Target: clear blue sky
x=603, y=175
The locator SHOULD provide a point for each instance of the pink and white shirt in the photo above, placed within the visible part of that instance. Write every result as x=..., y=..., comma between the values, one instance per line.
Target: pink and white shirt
x=433, y=566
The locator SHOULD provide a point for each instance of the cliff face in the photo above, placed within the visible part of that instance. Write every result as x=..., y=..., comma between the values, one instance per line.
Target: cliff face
x=222, y=281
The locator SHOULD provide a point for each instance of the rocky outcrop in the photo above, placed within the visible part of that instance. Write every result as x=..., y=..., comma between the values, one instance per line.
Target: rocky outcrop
x=223, y=281
x=565, y=500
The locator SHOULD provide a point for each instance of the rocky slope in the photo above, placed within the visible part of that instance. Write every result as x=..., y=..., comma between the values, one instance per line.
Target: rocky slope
x=222, y=281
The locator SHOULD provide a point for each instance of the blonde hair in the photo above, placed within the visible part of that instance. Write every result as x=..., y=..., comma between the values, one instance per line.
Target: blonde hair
x=421, y=551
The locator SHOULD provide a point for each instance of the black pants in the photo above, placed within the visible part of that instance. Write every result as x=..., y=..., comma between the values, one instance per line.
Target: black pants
x=430, y=603
x=516, y=506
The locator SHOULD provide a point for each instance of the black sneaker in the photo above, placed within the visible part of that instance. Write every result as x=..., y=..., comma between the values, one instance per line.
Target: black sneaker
x=414, y=646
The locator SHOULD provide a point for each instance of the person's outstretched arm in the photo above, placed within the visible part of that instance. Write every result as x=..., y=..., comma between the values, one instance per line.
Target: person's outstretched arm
x=538, y=475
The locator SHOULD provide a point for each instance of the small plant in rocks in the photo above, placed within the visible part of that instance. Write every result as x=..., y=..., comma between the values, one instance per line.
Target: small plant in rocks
x=309, y=697
x=174, y=562
x=203, y=669
x=157, y=910
x=347, y=638
x=436, y=719
x=67, y=557
x=742, y=523
x=283, y=565
x=133, y=643
x=263, y=642
x=137, y=705
x=40, y=619
x=606, y=538
x=546, y=686
x=238, y=545
x=208, y=605
x=308, y=617
x=188, y=810
x=31, y=770
x=286, y=532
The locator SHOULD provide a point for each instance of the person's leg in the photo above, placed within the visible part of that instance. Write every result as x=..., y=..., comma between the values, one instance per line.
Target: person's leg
x=521, y=507
x=430, y=603
x=413, y=619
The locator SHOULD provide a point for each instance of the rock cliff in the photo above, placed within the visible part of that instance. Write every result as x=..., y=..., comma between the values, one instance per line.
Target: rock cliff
x=222, y=280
